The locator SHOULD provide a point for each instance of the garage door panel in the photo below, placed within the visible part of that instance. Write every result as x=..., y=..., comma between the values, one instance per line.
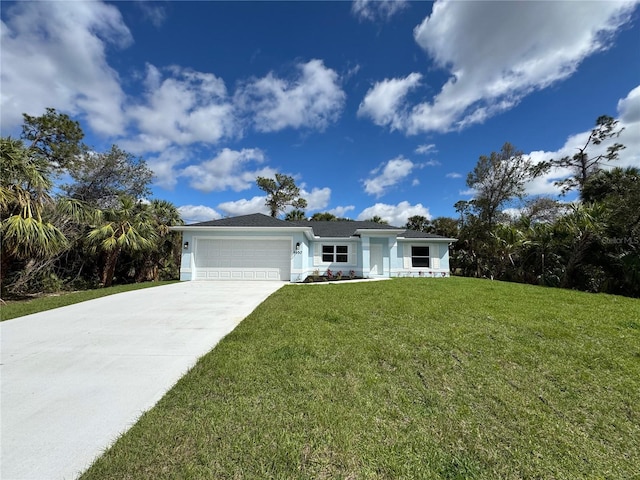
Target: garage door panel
x=217, y=259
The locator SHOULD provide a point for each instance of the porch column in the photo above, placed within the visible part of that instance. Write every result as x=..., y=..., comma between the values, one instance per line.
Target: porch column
x=393, y=257
x=366, y=266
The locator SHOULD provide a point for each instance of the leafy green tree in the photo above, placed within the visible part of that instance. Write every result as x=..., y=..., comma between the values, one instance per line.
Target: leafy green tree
x=584, y=164
x=100, y=179
x=53, y=140
x=52, y=241
x=324, y=217
x=579, y=235
x=419, y=223
x=162, y=260
x=445, y=226
x=295, y=215
x=539, y=260
x=282, y=192
x=618, y=191
x=510, y=240
x=24, y=194
x=498, y=179
x=543, y=210
x=33, y=221
x=377, y=219
x=128, y=227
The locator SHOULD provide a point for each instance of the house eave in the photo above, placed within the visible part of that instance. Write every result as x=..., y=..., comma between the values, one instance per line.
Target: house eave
x=316, y=238
x=202, y=228
x=427, y=239
x=378, y=231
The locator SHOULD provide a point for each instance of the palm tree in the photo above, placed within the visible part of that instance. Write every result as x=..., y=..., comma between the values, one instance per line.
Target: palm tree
x=128, y=227
x=582, y=229
x=24, y=195
x=165, y=254
x=294, y=215
x=509, y=241
x=377, y=219
x=324, y=217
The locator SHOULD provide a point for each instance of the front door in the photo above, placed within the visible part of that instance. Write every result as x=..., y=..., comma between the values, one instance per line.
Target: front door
x=375, y=259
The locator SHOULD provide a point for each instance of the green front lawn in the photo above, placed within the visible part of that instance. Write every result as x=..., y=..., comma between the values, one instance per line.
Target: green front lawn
x=410, y=378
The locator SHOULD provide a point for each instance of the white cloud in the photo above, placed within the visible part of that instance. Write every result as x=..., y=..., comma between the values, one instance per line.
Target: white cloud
x=163, y=167
x=469, y=192
x=386, y=177
x=314, y=99
x=384, y=102
x=495, y=58
x=453, y=175
x=341, y=211
x=426, y=149
x=184, y=108
x=351, y=72
x=197, y=213
x=373, y=10
x=513, y=213
x=432, y=163
x=495, y=53
x=156, y=14
x=317, y=199
x=227, y=170
x=54, y=55
x=629, y=116
x=245, y=206
x=629, y=107
x=629, y=119
x=396, y=215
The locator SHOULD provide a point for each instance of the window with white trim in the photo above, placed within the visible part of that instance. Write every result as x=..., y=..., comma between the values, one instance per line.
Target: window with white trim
x=420, y=257
x=335, y=253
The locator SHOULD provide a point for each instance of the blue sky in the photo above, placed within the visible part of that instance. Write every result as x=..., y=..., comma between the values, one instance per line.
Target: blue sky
x=375, y=108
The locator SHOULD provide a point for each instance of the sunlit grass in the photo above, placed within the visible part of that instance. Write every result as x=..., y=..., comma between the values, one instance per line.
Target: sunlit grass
x=410, y=378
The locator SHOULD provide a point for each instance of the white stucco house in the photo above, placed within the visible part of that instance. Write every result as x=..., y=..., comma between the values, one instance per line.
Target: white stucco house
x=259, y=247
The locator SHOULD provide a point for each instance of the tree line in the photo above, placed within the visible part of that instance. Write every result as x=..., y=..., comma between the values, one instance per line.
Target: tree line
x=72, y=217
x=592, y=244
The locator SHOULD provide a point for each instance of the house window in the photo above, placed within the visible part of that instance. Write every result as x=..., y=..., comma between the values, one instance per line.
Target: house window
x=420, y=257
x=335, y=253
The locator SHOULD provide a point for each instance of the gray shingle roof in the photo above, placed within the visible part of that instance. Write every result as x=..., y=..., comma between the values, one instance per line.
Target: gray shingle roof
x=415, y=234
x=253, y=220
x=341, y=228
x=334, y=229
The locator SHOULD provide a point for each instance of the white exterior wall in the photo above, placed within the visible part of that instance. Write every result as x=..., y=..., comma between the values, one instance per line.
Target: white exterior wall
x=310, y=258
x=307, y=258
x=187, y=261
x=300, y=262
x=389, y=244
x=188, y=269
x=439, y=260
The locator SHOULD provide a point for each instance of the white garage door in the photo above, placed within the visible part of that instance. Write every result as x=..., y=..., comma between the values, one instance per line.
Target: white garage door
x=243, y=259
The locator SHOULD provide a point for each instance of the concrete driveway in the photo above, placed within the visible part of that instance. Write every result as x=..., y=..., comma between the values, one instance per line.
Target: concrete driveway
x=75, y=378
